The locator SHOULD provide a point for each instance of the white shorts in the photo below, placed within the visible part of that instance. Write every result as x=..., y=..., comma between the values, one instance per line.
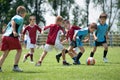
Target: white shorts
x=57, y=46
x=30, y=45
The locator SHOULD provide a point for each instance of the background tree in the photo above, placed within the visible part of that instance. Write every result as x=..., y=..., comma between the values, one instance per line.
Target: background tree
x=61, y=7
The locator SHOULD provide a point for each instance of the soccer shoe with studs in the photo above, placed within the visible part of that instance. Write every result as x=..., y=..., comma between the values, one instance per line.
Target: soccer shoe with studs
x=57, y=58
x=105, y=60
x=17, y=69
x=66, y=63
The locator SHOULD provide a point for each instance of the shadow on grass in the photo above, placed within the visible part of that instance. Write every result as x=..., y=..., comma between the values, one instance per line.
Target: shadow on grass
x=30, y=72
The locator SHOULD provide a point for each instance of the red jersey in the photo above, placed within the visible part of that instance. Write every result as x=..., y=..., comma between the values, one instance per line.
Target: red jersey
x=71, y=32
x=53, y=32
x=32, y=32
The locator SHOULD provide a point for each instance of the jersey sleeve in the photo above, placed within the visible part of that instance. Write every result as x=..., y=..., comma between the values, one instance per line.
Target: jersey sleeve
x=38, y=28
x=18, y=20
x=24, y=31
x=47, y=27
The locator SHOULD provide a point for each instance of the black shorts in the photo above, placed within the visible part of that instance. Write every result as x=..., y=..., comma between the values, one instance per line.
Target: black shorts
x=99, y=43
x=73, y=44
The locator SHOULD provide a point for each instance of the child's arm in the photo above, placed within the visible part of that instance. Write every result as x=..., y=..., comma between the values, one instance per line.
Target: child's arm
x=94, y=36
x=14, y=28
x=74, y=36
x=64, y=41
x=107, y=37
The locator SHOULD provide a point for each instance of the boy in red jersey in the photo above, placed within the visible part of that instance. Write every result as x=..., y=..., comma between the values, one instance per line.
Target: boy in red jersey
x=69, y=38
x=10, y=39
x=31, y=30
x=53, y=40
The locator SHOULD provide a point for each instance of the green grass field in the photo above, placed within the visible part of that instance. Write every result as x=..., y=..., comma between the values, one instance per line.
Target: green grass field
x=51, y=70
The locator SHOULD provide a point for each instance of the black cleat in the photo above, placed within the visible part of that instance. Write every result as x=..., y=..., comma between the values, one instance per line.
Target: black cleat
x=57, y=58
x=66, y=63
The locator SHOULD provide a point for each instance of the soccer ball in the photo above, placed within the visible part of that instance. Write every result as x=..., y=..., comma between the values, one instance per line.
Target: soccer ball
x=90, y=61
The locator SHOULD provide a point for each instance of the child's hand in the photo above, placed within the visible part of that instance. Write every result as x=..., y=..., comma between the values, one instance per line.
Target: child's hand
x=95, y=38
x=86, y=40
x=15, y=34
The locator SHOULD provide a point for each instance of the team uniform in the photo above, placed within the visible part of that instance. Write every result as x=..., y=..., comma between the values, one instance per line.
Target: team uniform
x=9, y=42
x=101, y=34
x=31, y=35
x=70, y=35
x=80, y=34
x=53, y=39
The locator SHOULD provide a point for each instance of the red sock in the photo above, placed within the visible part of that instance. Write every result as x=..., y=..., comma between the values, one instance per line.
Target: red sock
x=27, y=55
x=31, y=57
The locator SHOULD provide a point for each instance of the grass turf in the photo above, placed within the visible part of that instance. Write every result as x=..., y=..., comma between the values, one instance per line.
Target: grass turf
x=51, y=70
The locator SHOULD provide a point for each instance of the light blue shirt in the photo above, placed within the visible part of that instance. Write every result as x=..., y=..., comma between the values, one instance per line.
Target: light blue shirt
x=101, y=32
x=19, y=24
x=80, y=35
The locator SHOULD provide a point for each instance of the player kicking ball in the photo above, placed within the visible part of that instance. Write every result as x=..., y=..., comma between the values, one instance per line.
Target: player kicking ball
x=79, y=38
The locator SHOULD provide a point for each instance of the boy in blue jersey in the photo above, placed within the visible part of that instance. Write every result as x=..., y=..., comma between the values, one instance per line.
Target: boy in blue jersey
x=79, y=36
x=10, y=39
x=100, y=36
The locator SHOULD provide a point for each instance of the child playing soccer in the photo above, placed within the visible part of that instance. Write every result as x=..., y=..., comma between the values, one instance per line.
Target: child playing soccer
x=79, y=36
x=69, y=38
x=31, y=30
x=53, y=40
x=100, y=36
x=10, y=39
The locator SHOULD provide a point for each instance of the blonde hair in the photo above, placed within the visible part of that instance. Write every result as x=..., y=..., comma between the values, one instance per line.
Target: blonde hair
x=59, y=19
x=20, y=10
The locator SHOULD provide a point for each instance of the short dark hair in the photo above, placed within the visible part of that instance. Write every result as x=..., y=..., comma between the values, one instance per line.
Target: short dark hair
x=103, y=15
x=20, y=10
x=93, y=25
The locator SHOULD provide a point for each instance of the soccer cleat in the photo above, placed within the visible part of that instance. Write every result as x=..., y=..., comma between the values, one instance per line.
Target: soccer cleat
x=57, y=58
x=76, y=63
x=38, y=64
x=105, y=60
x=66, y=63
x=24, y=58
x=31, y=61
x=17, y=69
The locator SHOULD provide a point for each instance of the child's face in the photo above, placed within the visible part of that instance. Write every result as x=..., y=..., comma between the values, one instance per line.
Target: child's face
x=92, y=30
x=32, y=20
x=67, y=25
x=61, y=23
x=103, y=19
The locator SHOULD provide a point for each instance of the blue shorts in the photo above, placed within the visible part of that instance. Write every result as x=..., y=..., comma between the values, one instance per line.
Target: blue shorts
x=79, y=43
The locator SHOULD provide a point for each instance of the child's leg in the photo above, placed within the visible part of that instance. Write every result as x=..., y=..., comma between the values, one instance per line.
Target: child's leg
x=105, y=50
x=80, y=53
x=59, y=55
x=17, y=57
x=31, y=54
x=3, y=57
x=42, y=56
x=93, y=51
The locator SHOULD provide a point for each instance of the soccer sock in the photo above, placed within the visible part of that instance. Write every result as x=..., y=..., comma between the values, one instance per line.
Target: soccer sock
x=105, y=53
x=78, y=56
x=31, y=57
x=28, y=54
x=66, y=51
x=91, y=54
x=0, y=67
x=60, y=54
x=15, y=66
